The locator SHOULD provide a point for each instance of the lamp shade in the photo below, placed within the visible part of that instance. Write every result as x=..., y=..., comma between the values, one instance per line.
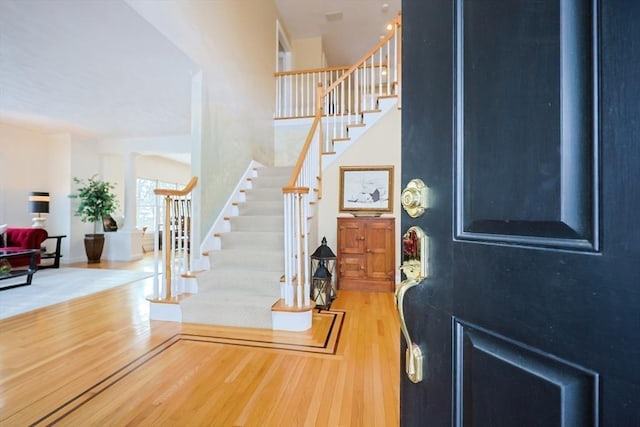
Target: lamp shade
x=39, y=202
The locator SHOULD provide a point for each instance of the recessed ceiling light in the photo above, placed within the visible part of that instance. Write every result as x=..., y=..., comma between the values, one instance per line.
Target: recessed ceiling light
x=384, y=7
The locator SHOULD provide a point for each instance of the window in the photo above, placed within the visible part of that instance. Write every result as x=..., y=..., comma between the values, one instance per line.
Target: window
x=146, y=200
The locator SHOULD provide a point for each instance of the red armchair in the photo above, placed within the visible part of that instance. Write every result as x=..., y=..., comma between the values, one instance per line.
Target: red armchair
x=16, y=239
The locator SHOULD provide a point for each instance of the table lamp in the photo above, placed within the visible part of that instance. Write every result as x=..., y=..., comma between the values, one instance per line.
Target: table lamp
x=39, y=204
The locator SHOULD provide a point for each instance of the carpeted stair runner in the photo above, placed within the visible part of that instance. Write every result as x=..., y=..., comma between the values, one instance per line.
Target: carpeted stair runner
x=244, y=279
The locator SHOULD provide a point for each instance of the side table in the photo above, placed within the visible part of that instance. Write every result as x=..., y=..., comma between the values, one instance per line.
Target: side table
x=55, y=255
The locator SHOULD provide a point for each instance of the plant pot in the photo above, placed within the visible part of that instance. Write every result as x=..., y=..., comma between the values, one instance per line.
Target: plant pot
x=93, y=245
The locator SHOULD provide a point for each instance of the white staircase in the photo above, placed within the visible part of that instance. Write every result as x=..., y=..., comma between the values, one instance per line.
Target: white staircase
x=243, y=282
x=258, y=273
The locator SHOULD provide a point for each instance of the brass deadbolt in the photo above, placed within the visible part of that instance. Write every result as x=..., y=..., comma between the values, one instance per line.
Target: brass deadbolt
x=414, y=198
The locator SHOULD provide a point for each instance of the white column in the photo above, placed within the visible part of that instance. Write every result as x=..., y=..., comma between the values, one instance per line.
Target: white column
x=130, y=213
x=126, y=243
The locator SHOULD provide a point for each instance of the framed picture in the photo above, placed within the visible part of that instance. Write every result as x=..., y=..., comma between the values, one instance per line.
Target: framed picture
x=366, y=189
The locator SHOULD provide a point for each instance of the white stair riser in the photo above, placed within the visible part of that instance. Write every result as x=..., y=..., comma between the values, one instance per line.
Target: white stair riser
x=252, y=240
x=257, y=223
x=269, y=182
x=258, y=260
x=266, y=194
x=284, y=171
x=261, y=208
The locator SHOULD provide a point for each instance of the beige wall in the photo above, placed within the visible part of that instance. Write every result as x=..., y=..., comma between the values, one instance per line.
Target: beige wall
x=379, y=146
x=289, y=138
x=307, y=53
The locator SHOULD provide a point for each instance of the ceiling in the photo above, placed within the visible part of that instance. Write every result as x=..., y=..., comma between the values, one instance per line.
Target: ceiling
x=76, y=66
x=349, y=28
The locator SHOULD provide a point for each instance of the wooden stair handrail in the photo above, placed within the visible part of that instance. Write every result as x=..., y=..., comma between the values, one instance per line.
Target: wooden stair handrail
x=169, y=192
x=291, y=185
x=172, y=196
x=311, y=70
x=317, y=70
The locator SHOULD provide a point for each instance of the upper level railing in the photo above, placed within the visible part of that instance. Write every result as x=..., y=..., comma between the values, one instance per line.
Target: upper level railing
x=296, y=90
x=174, y=256
x=344, y=101
x=376, y=74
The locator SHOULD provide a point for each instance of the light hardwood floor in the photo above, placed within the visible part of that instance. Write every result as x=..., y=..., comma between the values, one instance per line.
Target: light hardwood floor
x=98, y=360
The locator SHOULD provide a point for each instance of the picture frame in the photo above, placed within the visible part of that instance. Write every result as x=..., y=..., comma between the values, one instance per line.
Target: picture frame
x=366, y=190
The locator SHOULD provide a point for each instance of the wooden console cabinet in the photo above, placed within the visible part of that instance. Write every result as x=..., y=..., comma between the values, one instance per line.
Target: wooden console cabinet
x=366, y=254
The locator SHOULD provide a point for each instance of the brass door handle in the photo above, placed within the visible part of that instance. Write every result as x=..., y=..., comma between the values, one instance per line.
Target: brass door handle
x=413, y=355
x=415, y=250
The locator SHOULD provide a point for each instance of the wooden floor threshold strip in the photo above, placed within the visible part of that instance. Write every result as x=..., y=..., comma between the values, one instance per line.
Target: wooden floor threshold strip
x=324, y=342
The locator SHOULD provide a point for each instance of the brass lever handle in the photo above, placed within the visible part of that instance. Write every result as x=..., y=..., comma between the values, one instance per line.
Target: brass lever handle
x=413, y=355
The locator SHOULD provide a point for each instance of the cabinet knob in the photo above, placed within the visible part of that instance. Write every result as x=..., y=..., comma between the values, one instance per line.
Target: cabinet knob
x=362, y=267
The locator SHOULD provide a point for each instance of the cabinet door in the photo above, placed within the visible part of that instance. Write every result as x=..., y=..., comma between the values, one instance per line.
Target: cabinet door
x=350, y=236
x=352, y=267
x=350, y=251
x=379, y=250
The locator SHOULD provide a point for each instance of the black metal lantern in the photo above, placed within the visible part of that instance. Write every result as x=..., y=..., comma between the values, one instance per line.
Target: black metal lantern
x=323, y=262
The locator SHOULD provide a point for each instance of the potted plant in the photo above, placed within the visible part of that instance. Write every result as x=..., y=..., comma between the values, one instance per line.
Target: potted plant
x=97, y=200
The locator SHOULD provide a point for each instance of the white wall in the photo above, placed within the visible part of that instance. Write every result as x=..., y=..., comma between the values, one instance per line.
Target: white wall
x=233, y=42
x=154, y=167
x=34, y=161
x=24, y=167
x=379, y=146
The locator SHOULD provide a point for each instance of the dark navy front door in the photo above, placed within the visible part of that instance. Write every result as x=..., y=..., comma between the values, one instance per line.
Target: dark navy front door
x=523, y=119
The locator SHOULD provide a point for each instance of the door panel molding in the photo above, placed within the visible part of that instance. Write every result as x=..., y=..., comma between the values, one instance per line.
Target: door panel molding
x=557, y=163
x=495, y=375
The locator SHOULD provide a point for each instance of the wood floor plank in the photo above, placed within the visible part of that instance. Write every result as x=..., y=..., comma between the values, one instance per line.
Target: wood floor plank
x=99, y=360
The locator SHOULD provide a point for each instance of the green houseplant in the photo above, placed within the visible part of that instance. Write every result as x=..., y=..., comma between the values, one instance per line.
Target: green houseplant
x=97, y=200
